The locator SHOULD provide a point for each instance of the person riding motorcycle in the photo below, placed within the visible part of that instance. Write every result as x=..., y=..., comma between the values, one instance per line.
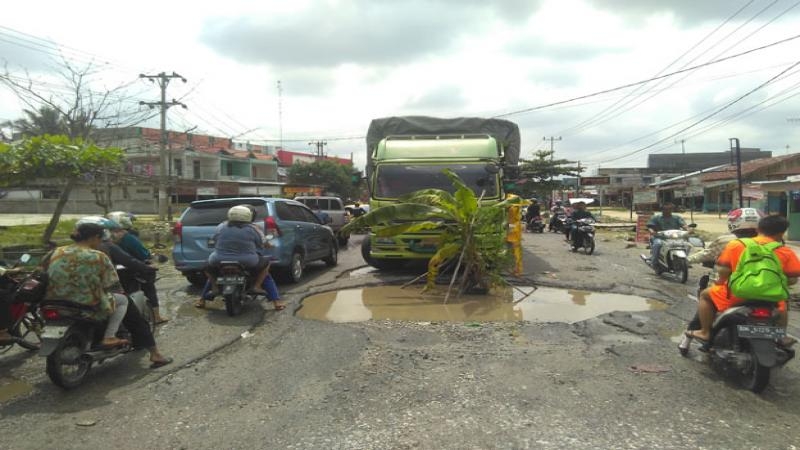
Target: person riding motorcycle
x=534, y=210
x=662, y=222
x=136, y=325
x=237, y=239
x=580, y=212
x=717, y=298
x=6, y=320
x=133, y=246
x=556, y=210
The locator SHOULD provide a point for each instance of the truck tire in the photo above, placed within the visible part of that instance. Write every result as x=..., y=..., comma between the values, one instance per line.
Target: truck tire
x=380, y=264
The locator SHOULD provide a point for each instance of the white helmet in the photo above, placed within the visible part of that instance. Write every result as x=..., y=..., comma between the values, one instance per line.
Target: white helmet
x=240, y=213
x=122, y=218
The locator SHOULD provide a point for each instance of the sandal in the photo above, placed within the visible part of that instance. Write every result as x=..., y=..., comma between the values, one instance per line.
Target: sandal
x=691, y=334
x=200, y=304
x=160, y=363
x=279, y=307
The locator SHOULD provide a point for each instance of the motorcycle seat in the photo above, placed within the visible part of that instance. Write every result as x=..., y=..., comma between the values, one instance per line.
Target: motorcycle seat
x=67, y=304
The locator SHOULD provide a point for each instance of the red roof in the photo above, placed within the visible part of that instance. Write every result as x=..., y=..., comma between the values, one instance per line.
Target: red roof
x=729, y=172
x=287, y=158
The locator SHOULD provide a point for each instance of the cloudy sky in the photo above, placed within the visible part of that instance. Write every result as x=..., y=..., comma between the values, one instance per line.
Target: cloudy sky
x=341, y=63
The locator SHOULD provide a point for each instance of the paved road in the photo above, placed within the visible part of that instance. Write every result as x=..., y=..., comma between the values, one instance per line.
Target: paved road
x=613, y=381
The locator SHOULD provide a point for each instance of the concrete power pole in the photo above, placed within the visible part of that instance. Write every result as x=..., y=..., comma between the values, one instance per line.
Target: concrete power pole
x=552, y=152
x=320, y=148
x=163, y=80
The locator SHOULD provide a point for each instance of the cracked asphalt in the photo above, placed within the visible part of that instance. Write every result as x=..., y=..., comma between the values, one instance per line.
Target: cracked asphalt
x=273, y=380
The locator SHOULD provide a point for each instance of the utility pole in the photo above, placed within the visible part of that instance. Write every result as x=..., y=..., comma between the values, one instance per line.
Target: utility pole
x=320, y=148
x=738, y=168
x=552, y=152
x=280, y=115
x=163, y=80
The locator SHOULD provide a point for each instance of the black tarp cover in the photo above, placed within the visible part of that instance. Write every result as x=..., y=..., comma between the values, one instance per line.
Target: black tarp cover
x=504, y=131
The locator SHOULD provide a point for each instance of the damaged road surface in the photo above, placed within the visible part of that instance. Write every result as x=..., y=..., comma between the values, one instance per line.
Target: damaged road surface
x=609, y=379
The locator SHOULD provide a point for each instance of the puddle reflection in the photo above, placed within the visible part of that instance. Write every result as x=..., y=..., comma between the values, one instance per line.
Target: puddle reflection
x=543, y=305
x=11, y=388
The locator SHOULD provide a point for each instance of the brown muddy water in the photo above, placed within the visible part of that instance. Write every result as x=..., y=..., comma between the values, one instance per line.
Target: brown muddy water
x=12, y=388
x=504, y=305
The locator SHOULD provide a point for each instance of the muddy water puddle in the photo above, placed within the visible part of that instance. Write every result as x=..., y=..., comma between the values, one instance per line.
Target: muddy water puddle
x=508, y=304
x=11, y=388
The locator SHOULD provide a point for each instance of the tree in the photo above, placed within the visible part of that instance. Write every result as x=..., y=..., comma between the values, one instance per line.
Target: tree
x=59, y=158
x=334, y=177
x=539, y=174
x=45, y=120
x=471, y=240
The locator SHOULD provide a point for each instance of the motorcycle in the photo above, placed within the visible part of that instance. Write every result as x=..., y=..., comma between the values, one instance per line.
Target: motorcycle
x=23, y=295
x=673, y=253
x=559, y=223
x=535, y=225
x=744, y=343
x=234, y=280
x=583, y=235
x=71, y=339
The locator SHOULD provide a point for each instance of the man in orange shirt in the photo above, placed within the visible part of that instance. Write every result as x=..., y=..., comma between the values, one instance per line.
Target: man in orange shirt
x=717, y=298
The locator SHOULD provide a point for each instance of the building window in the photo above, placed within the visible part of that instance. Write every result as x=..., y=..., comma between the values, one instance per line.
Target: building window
x=51, y=194
x=647, y=180
x=617, y=180
x=227, y=168
x=196, y=169
x=177, y=167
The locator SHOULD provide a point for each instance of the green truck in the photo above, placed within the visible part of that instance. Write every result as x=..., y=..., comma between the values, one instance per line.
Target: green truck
x=409, y=153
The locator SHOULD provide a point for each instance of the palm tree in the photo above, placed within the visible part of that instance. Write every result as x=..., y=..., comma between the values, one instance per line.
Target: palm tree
x=45, y=120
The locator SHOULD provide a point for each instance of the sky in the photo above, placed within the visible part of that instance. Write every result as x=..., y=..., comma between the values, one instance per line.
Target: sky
x=558, y=68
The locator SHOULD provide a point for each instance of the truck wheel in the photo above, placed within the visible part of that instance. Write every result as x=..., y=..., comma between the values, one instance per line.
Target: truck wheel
x=380, y=264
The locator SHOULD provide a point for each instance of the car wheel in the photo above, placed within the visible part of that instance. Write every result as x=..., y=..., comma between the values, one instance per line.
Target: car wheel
x=294, y=272
x=333, y=258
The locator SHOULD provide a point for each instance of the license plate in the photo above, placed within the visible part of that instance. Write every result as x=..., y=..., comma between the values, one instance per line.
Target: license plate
x=231, y=280
x=54, y=332
x=760, y=332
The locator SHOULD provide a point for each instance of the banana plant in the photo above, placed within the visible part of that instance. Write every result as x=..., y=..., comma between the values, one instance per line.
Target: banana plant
x=471, y=236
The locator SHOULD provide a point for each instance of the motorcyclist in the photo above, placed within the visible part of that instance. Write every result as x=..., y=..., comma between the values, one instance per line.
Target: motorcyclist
x=717, y=298
x=6, y=320
x=136, y=325
x=357, y=211
x=580, y=212
x=662, y=222
x=534, y=210
x=555, y=211
x=238, y=240
x=133, y=246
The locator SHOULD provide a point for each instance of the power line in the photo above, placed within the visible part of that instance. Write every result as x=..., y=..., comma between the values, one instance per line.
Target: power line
x=625, y=86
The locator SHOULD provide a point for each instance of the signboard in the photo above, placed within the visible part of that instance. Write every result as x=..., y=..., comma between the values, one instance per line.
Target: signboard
x=752, y=193
x=640, y=197
x=206, y=191
x=690, y=191
x=642, y=233
x=595, y=181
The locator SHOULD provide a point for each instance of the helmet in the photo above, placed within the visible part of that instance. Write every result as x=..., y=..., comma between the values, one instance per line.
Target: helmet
x=240, y=213
x=108, y=224
x=356, y=204
x=744, y=225
x=534, y=201
x=122, y=218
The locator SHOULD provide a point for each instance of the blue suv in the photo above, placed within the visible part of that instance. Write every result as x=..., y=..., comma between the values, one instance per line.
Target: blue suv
x=296, y=235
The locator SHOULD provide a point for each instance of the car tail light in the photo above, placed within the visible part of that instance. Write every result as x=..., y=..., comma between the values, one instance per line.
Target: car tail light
x=271, y=227
x=177, y=232
x=50, y=314
x=761, y=313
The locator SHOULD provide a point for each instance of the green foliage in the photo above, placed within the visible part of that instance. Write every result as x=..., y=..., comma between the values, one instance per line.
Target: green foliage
x=55, y=157
x=45, y=120
x=334, y=177
x=471, y=234
x=541, y=173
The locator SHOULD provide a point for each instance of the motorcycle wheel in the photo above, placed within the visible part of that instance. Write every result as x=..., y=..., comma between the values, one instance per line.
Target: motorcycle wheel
x=66, y=366
x=28, y=330
x=756, y=377
x=681, y=269
x=588, y=245
x=233, y=303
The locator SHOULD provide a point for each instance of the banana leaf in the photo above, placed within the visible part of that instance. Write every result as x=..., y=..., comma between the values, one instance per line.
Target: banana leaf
x=412, y=227
x=401, y=211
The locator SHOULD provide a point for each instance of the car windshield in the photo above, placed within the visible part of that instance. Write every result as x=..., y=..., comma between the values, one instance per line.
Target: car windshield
x=394, y=181
x=214, y=214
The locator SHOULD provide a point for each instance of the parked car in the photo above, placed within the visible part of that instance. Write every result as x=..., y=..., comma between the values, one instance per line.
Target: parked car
x=740, y=215
x=334, y=208
x=296, y=236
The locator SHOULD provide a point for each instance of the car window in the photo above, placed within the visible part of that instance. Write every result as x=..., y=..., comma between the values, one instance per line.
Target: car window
x=303, y=214
x=215, y=213
x=285, y=212
x=335, y=204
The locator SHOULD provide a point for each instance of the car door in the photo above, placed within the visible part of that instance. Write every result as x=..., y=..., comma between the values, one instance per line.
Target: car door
x=317, y=236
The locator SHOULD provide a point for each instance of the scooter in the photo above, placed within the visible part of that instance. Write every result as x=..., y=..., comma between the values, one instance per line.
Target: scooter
x=744, y=343
x=673, y=253
x=583, y=235
x=71, y=338
x=559, y=223
x=535, y=225
x=23, y=294
x=234, y=280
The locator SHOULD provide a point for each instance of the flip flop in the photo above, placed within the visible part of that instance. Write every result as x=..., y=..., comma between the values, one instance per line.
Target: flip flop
x=690, y=334
x=200, y=304
x=162, y=321
x=280, y=307
x=162, y=363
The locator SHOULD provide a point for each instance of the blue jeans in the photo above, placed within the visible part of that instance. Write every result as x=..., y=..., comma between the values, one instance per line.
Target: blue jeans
x=269, y=286
x=655, y=248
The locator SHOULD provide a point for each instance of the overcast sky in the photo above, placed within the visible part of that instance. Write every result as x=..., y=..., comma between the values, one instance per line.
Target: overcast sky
x=342, y=63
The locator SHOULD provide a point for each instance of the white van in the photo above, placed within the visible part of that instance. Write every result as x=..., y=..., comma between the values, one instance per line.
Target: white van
x=334, y=208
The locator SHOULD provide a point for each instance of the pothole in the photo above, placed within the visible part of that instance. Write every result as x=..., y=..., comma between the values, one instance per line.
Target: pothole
x=508, y=304
x=11, y=388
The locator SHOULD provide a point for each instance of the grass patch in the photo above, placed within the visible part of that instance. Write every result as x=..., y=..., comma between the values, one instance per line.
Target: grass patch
x=31, y=235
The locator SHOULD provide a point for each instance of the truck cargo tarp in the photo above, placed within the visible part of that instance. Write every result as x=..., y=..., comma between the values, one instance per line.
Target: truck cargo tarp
x=504, y=131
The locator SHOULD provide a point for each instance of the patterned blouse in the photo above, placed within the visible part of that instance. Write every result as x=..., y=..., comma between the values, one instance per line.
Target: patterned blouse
x=83, y=276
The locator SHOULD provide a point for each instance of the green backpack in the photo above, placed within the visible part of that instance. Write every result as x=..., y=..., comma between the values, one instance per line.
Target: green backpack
x=759, y=274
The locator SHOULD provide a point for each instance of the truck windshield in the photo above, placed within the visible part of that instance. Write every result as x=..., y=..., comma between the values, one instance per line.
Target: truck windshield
x=393, y=181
